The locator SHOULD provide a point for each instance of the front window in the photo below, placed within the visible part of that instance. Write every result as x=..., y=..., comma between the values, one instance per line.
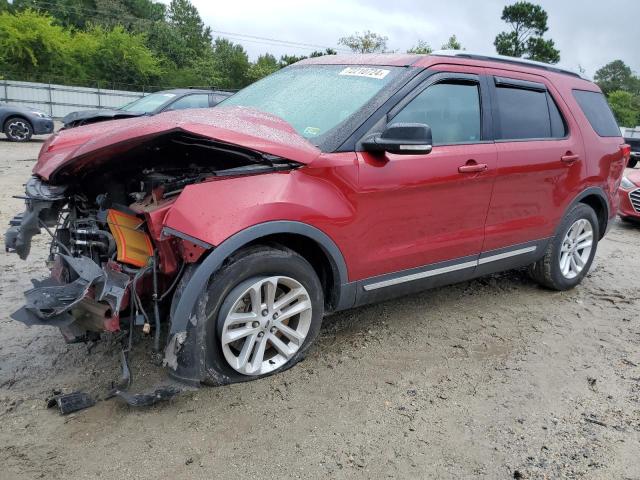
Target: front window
x=314, y=99
x=452, y=110
x=148, y=103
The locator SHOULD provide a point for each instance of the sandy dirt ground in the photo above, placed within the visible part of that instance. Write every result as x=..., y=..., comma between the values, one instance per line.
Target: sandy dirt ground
x=494, y=378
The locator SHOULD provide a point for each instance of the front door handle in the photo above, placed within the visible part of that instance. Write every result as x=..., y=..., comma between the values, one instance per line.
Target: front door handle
x=473, y=167
x=569, y=157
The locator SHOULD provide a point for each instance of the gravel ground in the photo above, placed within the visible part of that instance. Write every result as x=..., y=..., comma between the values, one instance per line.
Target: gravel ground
x=494, y=378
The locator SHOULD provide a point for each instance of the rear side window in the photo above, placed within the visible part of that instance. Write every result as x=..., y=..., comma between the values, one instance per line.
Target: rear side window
x=528, y=114
x=595, y=108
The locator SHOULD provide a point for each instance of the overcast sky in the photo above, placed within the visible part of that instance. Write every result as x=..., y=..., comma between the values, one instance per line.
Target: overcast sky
x=589, y=33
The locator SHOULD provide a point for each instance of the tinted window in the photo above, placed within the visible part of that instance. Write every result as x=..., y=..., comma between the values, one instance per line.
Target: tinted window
x=523, y=114
x=191, y=101
x=452, y=110
x=595, y=108
x=149, y=103
x=558, y=127
x=218, y=98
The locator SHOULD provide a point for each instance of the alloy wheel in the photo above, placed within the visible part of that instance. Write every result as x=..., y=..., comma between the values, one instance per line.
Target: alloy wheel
x=18, y=130
x=576, y=248
x=266, y=325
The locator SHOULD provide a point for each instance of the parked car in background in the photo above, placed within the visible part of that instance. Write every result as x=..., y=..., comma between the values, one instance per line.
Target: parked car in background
x=330, y=184
x=20, y=123
x=632, y=137
x=629, y=194
x=152, y=104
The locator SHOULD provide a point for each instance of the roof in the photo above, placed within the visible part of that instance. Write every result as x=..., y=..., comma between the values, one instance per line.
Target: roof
x=379, y=59
x=504, y=59
x=461, y=57
x=185, y=91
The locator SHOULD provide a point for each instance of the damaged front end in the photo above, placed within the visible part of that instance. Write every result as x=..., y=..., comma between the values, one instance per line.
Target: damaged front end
x=113, y=262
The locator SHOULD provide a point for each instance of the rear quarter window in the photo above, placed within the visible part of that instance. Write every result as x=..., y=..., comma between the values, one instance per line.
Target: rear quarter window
x=595, y=107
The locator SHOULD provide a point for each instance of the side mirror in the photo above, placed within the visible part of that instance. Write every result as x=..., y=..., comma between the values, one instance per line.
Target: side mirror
x=401, y=138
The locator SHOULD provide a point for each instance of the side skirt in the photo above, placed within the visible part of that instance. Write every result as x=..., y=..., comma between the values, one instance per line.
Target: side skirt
x=395, y=284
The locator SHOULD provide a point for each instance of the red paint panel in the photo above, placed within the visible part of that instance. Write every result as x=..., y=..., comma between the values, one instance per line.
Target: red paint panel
x=87, y=146
x=625, y=208
x=415, y=210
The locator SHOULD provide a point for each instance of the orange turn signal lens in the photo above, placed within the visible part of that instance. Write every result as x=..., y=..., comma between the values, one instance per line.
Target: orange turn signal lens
x=134, y=245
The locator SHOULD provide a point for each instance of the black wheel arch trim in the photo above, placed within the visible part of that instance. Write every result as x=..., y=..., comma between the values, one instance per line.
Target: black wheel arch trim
x=214, y=260
x=599, y=192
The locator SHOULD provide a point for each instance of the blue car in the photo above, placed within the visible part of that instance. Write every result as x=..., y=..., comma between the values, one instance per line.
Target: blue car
x=20, y=123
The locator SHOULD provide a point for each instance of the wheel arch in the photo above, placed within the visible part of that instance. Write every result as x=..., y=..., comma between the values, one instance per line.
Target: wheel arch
x=305, y=239
x=596, y=199
x=9, y=117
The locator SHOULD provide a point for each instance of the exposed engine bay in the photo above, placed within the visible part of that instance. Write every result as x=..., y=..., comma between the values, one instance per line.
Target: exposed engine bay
x=113, y=265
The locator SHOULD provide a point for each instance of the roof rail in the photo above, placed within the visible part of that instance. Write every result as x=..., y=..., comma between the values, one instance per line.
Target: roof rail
x=505, y=59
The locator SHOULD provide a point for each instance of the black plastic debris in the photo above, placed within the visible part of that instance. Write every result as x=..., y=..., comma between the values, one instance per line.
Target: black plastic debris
x=161, y=393
x=70, y=402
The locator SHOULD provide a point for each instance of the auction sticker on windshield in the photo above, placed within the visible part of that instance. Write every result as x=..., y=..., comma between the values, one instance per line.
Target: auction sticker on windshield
x=368, y=72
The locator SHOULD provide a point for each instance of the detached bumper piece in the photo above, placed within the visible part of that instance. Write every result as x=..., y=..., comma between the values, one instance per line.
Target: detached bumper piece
x=91, y=302
x=161, y=393
x=70, y=402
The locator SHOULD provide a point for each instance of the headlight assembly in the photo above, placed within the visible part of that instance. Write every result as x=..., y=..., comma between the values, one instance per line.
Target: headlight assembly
x=627, y=184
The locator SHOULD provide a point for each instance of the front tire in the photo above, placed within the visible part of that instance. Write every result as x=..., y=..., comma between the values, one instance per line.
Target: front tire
x=570, y=253
x=18, y=129
x=262, y=312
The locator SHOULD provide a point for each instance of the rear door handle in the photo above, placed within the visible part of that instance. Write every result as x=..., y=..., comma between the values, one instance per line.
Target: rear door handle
x=569, y=158
x=473, y=167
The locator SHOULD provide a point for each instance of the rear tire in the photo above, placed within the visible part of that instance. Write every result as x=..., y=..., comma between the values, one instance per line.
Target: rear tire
x=243, y=302
x=570, y=253
x=18, y=129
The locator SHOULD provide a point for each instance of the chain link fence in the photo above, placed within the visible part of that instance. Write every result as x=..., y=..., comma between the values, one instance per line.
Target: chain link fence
x=58, y=100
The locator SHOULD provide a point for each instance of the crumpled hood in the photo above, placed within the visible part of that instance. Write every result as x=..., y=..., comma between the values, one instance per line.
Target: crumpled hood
x=96, y=115
x=76, y=148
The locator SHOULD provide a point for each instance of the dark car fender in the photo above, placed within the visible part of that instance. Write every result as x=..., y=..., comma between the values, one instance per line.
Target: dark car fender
x=215, y=259
x=587, y=196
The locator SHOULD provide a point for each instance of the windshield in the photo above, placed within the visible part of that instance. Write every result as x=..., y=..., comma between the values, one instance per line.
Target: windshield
x=314, y=98
x=148, y=103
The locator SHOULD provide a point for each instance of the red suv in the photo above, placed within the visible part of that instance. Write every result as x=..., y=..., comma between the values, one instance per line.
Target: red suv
x=333, y=183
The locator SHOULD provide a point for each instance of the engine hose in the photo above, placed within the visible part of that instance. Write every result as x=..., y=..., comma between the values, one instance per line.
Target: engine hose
x=156, y=310
x=111, y=243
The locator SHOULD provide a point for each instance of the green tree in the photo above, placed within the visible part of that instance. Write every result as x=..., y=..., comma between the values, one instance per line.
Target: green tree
x=265, y=65
x=452, y=44
x=421, y=47
x=528, y=24
x=80, y=14
x=617, y=75
x=120, y=57
x=231, y=63
x=184, y=17
x=171, y=47
x=625, y=107
x=32, y=47
x=286, y=60
x=327, y=51
x=367, y=42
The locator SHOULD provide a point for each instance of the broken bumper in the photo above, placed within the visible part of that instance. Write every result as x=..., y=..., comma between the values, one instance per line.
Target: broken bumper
x=90, y=303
